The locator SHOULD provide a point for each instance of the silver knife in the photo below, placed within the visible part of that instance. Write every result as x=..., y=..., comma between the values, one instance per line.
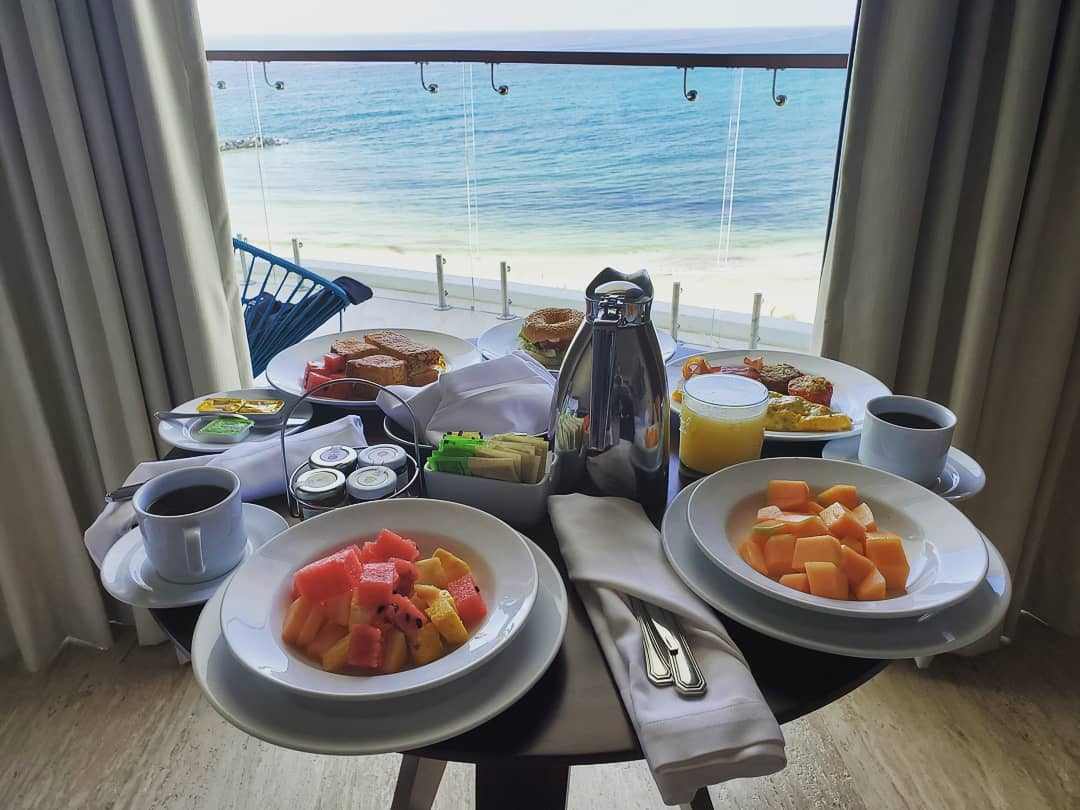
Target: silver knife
x=689, y=681
x=656, y=657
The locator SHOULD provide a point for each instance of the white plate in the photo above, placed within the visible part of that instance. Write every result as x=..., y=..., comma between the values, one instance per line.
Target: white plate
x=953, y=628
x=962, y=478
x=253, y=609
x=128, y=575
x=945, y=551
x=286, y=369
x=852, y=388
x=283, y=718
x=181, y=434
x=502, y=339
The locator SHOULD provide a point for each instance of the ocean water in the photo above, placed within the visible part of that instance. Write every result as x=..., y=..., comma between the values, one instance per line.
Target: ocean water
x=574, y=160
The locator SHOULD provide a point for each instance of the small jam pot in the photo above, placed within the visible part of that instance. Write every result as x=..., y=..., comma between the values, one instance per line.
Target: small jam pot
x=319, y=489
x=335, y=457
x=386, y=455
x=372, y=483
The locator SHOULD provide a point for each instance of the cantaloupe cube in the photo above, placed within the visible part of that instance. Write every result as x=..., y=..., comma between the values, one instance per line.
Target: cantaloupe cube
x=295, y=617
x=791, y=496
x=445, y=617
x=312, y=624
x=887, y=553
x=753, y=556
x=803, y=525
x=334, y=659
x=431, y=572
x=454, y=567
x=871, y=588
x=797, y=581
x=865, y=517
x=881, y=535
x=844, y=494
x=395, y=652
x=839, y=522
x=855, y=566
x=814, y=508
x=779, y=550
x=426, y=646
x=329, y=635
x=823, y=548
x=826, y=579
x=856, y=545
x=764, y=529
x=769, y=513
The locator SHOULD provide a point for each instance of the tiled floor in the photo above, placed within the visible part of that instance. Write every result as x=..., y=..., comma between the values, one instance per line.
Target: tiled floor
x=128, y=728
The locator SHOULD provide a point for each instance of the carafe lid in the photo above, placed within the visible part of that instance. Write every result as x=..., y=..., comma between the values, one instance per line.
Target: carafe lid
x=622, y=299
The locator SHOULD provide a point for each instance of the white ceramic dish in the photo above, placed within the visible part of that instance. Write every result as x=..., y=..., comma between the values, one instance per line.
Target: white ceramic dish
x=258, y=594
x=962, y=478
x=952, y=628
x=520, y=505
x=128, y=575
x=946, y=553
x=286, y=370
x=281, y=717
x=852, y=388
x=181, y=434
x=502, y=339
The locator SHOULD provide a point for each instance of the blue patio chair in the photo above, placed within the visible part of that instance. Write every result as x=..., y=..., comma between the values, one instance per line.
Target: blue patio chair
x=284, y=302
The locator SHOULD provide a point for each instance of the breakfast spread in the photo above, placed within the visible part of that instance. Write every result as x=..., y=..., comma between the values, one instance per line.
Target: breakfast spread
x=798, y=402
x=259, y=407
x=546, y=334
x=827, y=546
x=383, y=358
x=513, y=457
x=377, y=608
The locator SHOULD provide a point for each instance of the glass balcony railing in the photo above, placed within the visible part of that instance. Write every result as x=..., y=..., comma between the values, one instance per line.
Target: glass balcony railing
x=590, y=159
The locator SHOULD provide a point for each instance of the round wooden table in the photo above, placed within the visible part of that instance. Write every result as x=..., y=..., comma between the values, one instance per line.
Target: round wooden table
x=573, y=715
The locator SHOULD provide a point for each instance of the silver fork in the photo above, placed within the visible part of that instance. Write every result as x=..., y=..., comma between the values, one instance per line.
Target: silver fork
x=656, y=658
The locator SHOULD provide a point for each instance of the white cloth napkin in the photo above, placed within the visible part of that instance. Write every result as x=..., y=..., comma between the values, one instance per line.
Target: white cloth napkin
x=612, y=550
x=504, y=395
x=258, y=464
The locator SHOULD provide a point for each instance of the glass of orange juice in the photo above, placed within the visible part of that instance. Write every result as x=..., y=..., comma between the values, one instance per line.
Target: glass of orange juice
x=722, y=422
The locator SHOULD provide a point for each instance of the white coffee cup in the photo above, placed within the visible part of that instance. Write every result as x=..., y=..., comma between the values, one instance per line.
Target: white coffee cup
x=915, y=453
x=194, y=546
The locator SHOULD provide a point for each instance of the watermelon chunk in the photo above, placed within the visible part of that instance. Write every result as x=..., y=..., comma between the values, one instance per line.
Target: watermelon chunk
x=365, y=646
x=377, y=583
x=405, y=615
x=314, y=378
x=407, y=575
x=468, y=601
x=334, y=363
x=324, y=579
x=369, y=554
x=388, y=545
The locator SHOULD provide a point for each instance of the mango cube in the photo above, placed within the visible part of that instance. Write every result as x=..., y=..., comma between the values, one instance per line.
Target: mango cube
x=431, y=572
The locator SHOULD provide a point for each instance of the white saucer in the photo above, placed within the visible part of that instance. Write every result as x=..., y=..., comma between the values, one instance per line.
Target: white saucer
x=962, y=478
x=952, y=628
x=128, y=575
x=502, y=339
x=316, y=725
x=181, y=434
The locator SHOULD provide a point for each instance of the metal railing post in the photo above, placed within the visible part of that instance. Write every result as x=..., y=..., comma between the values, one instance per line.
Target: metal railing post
x=755, y=321
x=504, y=289
x=676, y=292
x=296, y=245
x=440, y=283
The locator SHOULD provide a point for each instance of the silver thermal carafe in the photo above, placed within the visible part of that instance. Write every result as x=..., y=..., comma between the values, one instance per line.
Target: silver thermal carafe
x=610, y=413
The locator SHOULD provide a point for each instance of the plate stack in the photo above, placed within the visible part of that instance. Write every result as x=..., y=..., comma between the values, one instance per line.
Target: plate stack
x=957, y=590
x=267, y=688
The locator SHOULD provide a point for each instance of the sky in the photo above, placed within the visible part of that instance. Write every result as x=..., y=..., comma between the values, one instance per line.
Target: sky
x=306, y=17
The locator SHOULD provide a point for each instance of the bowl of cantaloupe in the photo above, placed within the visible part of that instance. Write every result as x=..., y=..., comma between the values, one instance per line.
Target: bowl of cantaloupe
x=837, y=537
x=379, y=600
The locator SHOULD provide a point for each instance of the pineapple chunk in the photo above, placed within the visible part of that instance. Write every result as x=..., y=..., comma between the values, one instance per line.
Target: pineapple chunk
x=444, y=616
x=329, y=635
x=295, y=618
x=426, y=646
x=429, y=593
x=395, y=652
x=360, y=614
x=431, y=572
x=312, y=624
x=453, y=567
x=333, y=660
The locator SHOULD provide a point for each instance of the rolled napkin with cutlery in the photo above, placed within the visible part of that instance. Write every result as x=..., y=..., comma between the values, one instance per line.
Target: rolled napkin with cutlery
x=509, y=394
x=614, y=556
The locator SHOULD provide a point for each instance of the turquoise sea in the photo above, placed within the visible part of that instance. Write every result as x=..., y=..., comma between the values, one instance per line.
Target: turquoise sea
x=576, y=160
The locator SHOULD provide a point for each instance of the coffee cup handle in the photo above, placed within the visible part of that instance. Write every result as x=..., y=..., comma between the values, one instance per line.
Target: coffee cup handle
x=193, y=549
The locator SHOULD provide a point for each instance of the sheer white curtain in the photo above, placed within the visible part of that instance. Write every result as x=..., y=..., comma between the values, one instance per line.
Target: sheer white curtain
x=953, y=266
x=119, y=294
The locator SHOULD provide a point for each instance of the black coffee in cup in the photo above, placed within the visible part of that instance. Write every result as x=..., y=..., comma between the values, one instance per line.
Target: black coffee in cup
x=187, y=500
x=909, y=420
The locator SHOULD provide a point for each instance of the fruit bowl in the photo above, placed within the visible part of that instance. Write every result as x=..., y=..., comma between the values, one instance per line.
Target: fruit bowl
x=259, y=592
x=946, y=553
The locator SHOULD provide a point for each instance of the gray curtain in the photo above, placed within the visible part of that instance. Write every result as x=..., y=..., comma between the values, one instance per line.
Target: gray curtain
x=119, y=291
x=953, y=265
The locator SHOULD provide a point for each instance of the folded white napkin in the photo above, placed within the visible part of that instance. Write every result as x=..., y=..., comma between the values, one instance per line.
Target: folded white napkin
x=258, y=465
x=504, y=395
x=611, y=551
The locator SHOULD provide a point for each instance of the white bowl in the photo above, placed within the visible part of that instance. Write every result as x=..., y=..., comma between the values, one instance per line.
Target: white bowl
x=946, y=553
x=256, y=598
